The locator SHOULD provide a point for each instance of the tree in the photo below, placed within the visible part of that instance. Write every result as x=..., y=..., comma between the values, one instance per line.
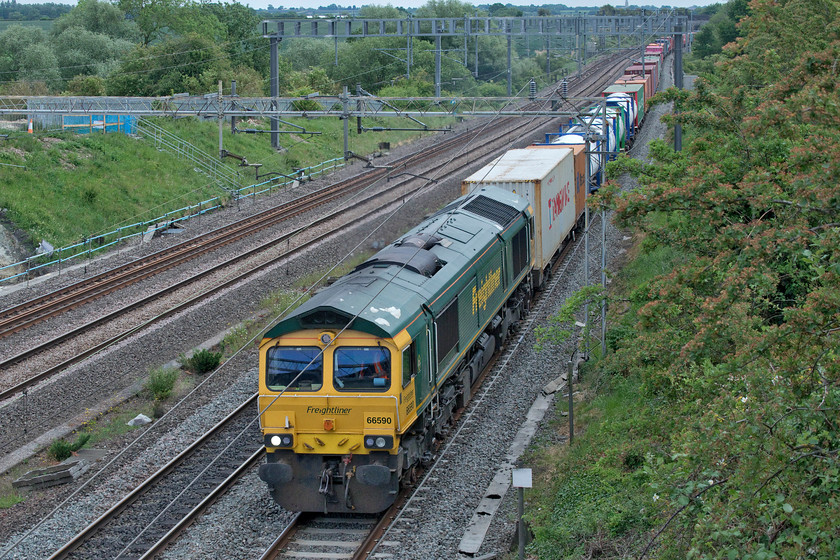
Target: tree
x=80, y=51
x=191, y=64
x=382, y=12
x=151, y=16
x=501, y=10
x=38, y=63
x=86, y=85
x=99, y=17
x=741, y=337
x=196, y=19
x=445, y=9
x=13, y=43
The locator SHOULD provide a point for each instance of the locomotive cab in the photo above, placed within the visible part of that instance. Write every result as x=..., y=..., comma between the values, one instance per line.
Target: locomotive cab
x=330, y=404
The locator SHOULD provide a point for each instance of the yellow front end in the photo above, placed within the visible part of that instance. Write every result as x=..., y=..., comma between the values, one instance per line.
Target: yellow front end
x=330, y=414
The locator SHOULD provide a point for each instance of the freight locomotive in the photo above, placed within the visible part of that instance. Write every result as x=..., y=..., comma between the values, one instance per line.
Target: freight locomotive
x=358, y=382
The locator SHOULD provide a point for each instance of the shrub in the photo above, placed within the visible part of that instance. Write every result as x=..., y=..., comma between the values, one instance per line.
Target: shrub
x=203, y=361
x=161, y=383
x=61, y=450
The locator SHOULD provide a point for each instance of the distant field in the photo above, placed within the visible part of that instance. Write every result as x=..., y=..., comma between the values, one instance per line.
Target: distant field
x=44, y=24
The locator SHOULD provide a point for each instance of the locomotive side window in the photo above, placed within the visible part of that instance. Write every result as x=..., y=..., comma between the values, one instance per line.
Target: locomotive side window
x=519, y=244
x=362, y=368
x=284, y=363
x=446, y=327
x=409, y=363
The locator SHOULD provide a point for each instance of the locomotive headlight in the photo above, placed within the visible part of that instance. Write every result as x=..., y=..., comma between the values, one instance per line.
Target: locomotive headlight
x=379, y=442
x=279, y=440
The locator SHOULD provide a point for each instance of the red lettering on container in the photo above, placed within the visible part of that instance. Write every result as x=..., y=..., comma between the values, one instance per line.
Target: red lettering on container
x=557, y=204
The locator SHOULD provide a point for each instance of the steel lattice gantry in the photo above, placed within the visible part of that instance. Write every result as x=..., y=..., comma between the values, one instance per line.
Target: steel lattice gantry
x=345, y=106
x=658, y=23
x=576, y=27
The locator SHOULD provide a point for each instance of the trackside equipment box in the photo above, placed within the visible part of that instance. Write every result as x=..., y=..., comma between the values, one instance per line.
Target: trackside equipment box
x=546, y=178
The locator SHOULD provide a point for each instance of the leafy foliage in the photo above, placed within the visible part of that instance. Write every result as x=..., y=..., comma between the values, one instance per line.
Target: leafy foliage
x=743, y=335
x=60, y=449
x=203, y=361
x=193, y=63
x=737, y=344
x=161, y=383
x=98, y=17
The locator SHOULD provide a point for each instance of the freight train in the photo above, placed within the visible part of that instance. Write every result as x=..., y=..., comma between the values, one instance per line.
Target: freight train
x=357, y=384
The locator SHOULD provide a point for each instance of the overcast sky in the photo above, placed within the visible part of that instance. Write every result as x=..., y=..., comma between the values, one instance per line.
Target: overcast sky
x=417, y=3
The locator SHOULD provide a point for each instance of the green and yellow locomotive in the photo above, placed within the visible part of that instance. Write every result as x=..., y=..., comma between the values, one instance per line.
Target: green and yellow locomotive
x=358, y=381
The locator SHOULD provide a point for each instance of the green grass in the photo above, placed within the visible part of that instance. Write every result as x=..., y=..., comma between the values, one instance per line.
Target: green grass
x=596, y=493
x=595, y=499
x=78, y=186
x=298, y=149
x=113, y=423
x=61, y=449
x=161, y=383
x=202, y=361
x=8, y=499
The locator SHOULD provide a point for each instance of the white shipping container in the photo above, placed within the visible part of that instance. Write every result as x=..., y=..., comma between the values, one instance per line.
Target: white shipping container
x=546, y=178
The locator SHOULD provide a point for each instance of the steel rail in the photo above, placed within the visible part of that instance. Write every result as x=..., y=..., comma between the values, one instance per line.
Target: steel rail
x=27, y=313
x=118, y=508
x=196, y=512
x=285, y=536
x=425, y=155
x=32, y=311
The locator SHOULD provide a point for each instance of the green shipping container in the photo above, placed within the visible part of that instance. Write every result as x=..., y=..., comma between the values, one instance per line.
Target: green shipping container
x=637, y=90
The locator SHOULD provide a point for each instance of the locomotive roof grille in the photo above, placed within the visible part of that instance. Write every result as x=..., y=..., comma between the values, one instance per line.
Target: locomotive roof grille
x=323, y=318
x=491, y=209
x=411, y=258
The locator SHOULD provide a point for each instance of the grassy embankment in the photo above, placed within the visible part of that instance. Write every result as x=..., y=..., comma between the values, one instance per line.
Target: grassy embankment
x=595, y=498
x=78, y=186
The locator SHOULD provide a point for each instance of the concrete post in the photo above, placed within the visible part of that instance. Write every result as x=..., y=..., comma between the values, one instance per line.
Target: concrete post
x=274, y=83
x=437, y=65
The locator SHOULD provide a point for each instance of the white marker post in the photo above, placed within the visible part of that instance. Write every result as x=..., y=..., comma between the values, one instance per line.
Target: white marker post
x=521, y=480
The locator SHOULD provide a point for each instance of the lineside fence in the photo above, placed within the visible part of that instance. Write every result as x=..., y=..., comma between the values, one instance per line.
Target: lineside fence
x=87, y=247
x=225, y=176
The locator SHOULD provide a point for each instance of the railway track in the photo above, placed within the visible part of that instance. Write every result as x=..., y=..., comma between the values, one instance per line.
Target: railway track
x=155, y=512
x=338, y=537
x=101, y=285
